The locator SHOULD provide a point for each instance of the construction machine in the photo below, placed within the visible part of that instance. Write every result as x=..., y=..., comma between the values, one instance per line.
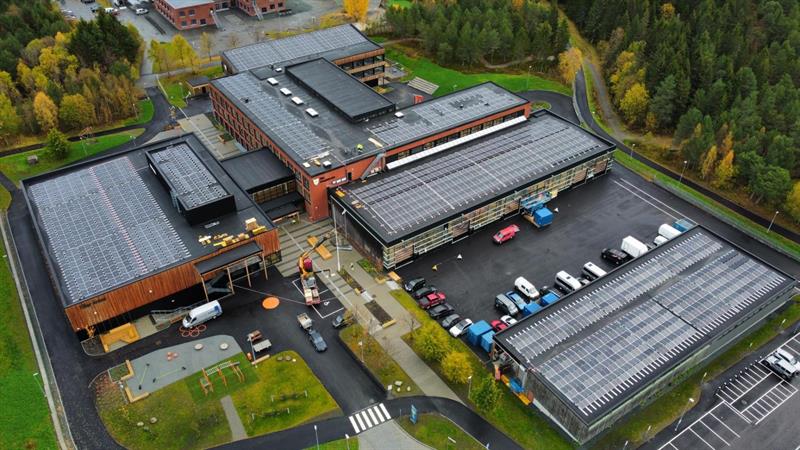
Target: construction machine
x=306, y=268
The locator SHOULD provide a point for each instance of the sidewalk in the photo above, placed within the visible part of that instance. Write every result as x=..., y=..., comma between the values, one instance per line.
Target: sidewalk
x=418, y=370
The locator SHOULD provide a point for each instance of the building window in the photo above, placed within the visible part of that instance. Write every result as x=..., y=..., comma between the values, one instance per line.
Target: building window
x=183, y=23
x=182, y=13
x=264, y=9
x=191, y=12
x=202, y=21
x=271, y=6
x=280, y=5
x=194, y=21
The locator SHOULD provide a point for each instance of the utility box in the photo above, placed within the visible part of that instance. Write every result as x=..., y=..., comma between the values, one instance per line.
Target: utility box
x=542, y=217
x=486, y=341
x=531, y=309
x=477, y=330
x=549, y=299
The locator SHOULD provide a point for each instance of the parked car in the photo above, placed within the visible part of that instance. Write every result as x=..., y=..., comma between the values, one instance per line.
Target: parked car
x=442, y=310
x=504, y=304
x=414, y=284
x=498, y=325
x=460, y=328
x=519, y=302
x=788, y=357
x=87, y=1
x=505, y=234
x=508, y=320
x=781, y=367
x=450, y=320
x=141, y=11
x=423, y=291
x=431, y=300
x=94, y=8
x=339, y=321
x=614, y=256
x=317, y=341
x=526, y=287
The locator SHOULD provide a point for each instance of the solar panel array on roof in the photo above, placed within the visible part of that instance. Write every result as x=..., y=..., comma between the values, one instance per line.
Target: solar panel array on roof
x=104, y=227
x=294, y=47
x=192, y=182
x=274, y=117
x=480, y=170
x=609, y=338
x=434, y=115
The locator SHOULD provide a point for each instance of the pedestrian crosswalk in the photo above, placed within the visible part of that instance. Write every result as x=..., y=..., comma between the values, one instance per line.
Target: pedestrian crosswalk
x=369, y=417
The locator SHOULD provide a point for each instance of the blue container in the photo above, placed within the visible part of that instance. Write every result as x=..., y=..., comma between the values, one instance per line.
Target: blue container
x=486, y=341
x=683, y=225
x=477, y=330
x=549, y=299
x=530, y=309
x=542, y=217
x=515, y=385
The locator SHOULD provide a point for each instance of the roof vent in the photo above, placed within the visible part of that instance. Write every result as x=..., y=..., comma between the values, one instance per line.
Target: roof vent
x=312, y=112
x=246, y=100
x=460, y=106
x=399, y=114
x=286, y=92
x=279, y=69
x=272, y=81
x=297, y=100
x=326, y=164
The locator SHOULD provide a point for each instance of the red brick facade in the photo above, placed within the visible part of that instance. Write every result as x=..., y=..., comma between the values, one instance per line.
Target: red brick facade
x=200, y=15
x=315, y=189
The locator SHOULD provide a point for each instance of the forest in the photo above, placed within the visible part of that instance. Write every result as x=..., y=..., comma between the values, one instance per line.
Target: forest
x=467, y=31
x=60, y=76
x=720, y=76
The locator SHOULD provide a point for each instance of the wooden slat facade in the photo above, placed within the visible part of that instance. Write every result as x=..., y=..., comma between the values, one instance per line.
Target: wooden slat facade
x=139, y=293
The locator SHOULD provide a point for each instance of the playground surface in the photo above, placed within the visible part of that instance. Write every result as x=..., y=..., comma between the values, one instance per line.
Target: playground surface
x=167, y=365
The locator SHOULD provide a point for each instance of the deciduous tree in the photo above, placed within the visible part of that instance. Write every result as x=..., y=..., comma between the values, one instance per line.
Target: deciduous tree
x=57, y=146
x=709, y=162
x=431, y=342
x=569, y=62
x=456, y=367
x=75, y=112
x=9, y=120
x=792, y=205
x=634, y=104
x=357, y=9
x=206, y=46
x=46, y=111
x=486, y=394
x=724, y=172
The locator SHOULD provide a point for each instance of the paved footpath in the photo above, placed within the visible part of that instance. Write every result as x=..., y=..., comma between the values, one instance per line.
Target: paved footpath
x=389, y=435
x=234, y=421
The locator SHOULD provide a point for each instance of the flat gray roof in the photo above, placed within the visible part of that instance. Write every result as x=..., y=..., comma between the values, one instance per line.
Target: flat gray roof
x=178, y=4
x=406, y=200
x=256, y=169
x=330, y=43
x=340, y=89
x=597, y=347
x=330, y=134
x=107, y=222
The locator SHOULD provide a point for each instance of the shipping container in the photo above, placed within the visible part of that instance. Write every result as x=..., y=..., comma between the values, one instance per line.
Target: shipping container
x=530, y=309
x=542, y=217
x=477, y=330
x=486, y=341
x=549, y=299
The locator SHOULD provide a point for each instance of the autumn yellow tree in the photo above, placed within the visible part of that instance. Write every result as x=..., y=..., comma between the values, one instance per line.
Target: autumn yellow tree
x=793, y=202
x=724, y=171
x=569, y=62
x=357, y=9
x=456, y=367
x=206, y=46
x=709, y=162
x=9, y=120
x=517, y=4
x=182, y=52
x=634, y=104
x=46, y=112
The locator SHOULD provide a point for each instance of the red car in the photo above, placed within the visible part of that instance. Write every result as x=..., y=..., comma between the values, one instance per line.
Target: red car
x=505, y=234
x=431, y=300
x=498, y=325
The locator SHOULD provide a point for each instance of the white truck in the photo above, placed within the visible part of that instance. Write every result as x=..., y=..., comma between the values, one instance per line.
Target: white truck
x=202, y=314
x=305, y=322
x=634, y=247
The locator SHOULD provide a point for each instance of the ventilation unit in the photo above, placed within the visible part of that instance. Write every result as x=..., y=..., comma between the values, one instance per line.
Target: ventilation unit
x=286, y=92
x=312, y=112
x=272, y=81
x=297, y=100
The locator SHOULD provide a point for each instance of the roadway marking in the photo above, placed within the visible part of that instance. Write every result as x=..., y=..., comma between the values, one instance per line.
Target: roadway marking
x=645, y=200
x=652, y=197
x=369, y=417
x=690, y=438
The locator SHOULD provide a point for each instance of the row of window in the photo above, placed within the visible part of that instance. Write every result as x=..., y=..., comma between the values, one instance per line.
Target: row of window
x=362, y=62
x=275, y=191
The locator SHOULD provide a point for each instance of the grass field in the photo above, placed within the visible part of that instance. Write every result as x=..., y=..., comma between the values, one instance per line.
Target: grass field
x=447, y=78
x=16, y=167
x=341, y=444
x=377, y=360
x=666, y=409
x=788, y=245
x=175, y=86
x=437, y=432
x=189, y=419
x=25, y=420
x=398, y=4
x=146, y=111
x=521, y=423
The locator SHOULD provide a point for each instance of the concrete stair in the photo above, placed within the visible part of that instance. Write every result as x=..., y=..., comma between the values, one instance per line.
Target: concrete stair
x=423, y=85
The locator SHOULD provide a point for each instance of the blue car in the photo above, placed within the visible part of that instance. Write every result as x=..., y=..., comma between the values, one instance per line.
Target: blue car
x=517, y=299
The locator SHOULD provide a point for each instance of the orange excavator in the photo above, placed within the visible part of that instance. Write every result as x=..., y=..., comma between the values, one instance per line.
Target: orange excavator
x=307, y=276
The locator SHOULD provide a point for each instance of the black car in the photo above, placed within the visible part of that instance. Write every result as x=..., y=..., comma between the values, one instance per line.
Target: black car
x=423, y=291
x=339, y=321
x=441, y=310
x=414, y=284
x=614, y=256
x=317, y=341
x=450, y=320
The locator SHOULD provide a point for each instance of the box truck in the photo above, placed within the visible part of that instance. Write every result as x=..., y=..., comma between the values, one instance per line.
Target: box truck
x=634, y=247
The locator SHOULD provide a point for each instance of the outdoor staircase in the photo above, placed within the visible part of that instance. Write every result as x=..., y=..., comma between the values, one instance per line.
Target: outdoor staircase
x=423, y=85
x=162, y=318
x=217, y=22
x=257, y=10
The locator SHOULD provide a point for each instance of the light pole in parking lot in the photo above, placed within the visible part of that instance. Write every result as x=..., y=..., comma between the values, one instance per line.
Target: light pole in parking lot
x=469, y=386
x=688, y=405
x=685, y=162
x=316, y=436
x=772, y=221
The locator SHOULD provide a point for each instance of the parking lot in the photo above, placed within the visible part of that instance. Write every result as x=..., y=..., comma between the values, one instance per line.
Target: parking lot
x=717, y=429
x=589, y=218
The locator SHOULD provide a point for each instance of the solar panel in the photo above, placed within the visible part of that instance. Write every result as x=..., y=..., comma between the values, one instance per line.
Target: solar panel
x=191, y=180
x=438, y=187
x=104, y=227
x=294, y=47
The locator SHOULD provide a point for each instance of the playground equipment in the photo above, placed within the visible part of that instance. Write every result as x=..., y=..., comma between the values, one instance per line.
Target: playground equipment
x=208, y=386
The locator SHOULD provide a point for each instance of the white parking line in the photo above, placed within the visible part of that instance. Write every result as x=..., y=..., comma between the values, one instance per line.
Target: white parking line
x=724, y=424
x=705, y=416
x=654, y=199
x=701, y=438
x=645, y=200
x=715, y=433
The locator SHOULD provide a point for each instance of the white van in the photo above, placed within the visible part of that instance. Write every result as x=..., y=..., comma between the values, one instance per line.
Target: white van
x=201, y=314
x=567, y=282
x=633, y=247
x=659, y=240
x=526, y=287
x=668, y=231
x=593, y=272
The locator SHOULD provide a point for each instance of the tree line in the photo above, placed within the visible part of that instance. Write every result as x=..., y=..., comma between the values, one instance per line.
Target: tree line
x=466, y=31
x=721, y=75
x=80, y=76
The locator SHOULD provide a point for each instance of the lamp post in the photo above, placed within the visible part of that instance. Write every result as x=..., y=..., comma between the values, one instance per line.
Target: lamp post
x=316, y=436
x=528, y=78
x=685, y=162
x=469, y=386
x=361, y=344
x=772, y=221
x=336, y=237
x=347, y=441
x=35, y=375
x=688, y=405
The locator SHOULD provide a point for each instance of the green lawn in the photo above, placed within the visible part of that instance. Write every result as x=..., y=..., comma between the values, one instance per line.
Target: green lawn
x=176, y=93
x=398, y=4
x=146, y=111
x=341, y=444
x=665, y=410
x=16, y=167
x=281, y=378
x=377, y=360
x=448, y=78
x=512, y=417
x=25, y=420
x=436, y=431
x=787, y=245
x=189, y=419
